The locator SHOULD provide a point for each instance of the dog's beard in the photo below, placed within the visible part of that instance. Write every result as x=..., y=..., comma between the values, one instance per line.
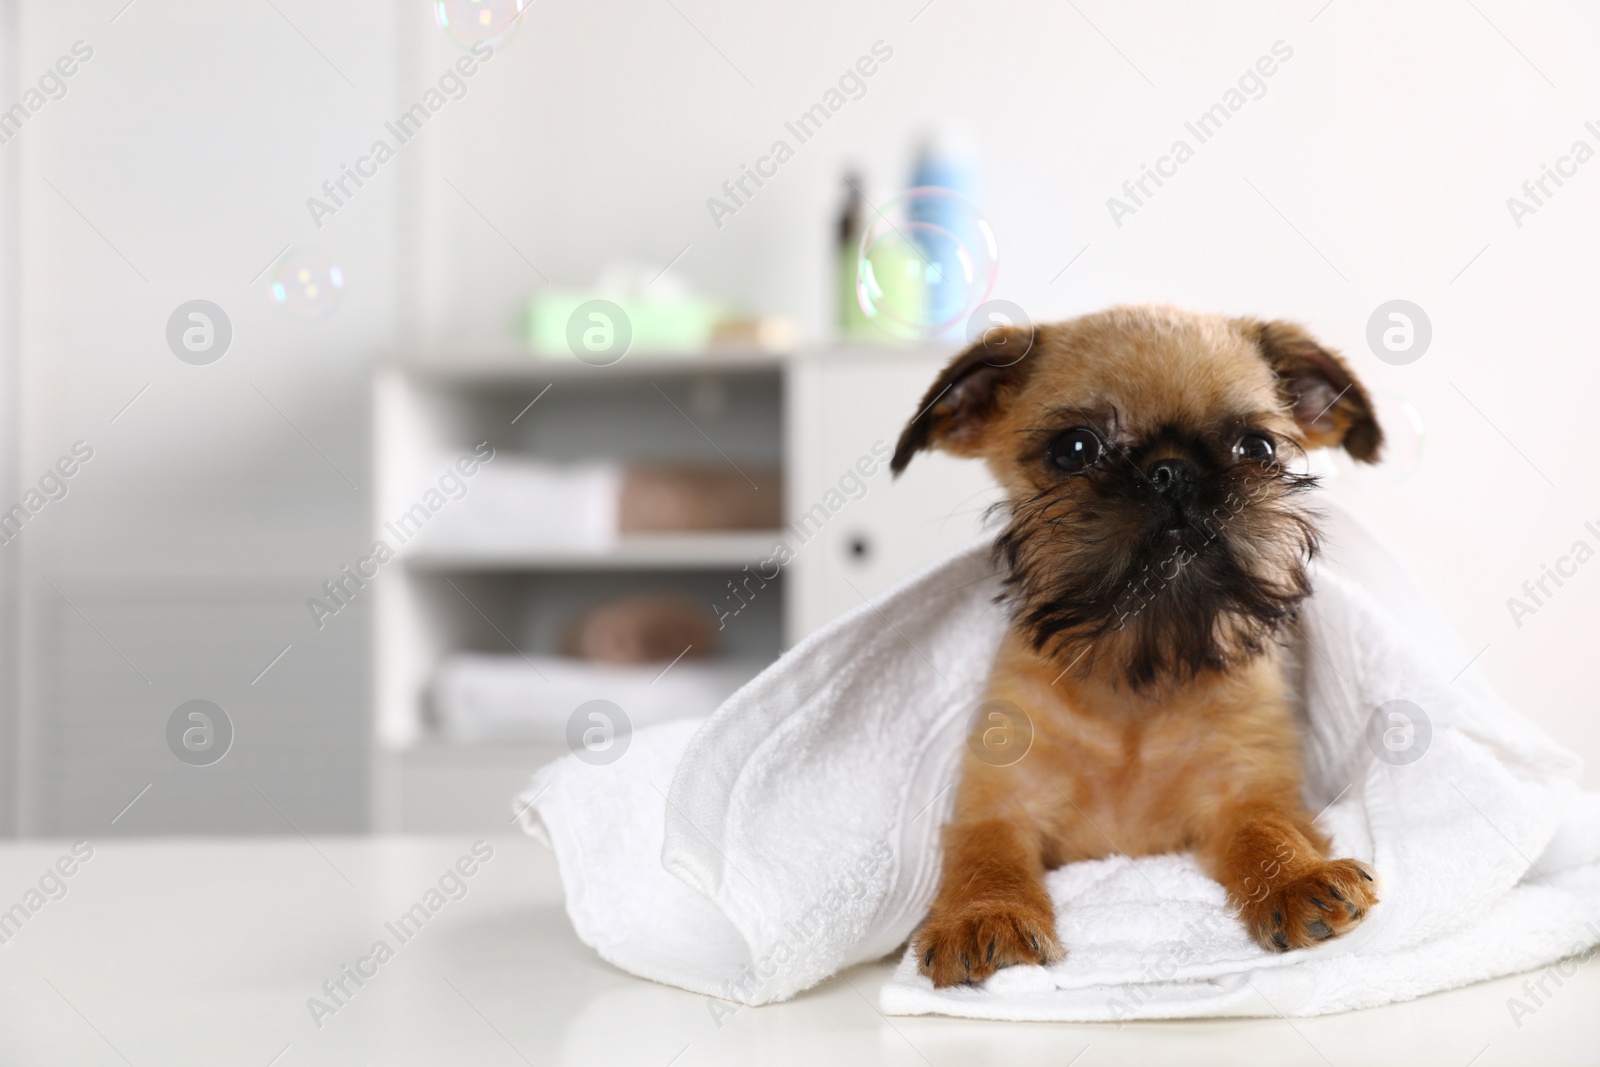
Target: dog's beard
x=1098, y=586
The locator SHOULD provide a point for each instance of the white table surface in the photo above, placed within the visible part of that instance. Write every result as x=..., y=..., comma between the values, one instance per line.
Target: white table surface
x=206, y=951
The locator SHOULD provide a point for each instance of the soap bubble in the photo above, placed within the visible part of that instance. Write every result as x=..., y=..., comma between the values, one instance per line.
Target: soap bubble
x=307, y=283
x=927, y=258
x=471, y=21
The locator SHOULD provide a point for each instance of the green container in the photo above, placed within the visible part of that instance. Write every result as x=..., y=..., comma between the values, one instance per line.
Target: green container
x=664, y=327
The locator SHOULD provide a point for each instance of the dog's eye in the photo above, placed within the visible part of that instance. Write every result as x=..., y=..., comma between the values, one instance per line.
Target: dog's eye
x=1255, y=447
x=1075, y=450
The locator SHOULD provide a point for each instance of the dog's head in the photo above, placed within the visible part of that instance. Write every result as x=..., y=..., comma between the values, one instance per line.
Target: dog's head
x=1156, y=528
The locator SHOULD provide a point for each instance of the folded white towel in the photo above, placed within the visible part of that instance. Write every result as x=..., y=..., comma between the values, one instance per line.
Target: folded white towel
x=490, y=697
x=516, y=505
x=795, y=832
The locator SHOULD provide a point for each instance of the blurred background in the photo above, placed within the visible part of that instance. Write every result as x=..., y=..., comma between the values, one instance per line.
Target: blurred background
x=581, y=347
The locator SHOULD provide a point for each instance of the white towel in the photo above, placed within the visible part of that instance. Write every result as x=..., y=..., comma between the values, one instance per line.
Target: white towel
x=795, y=832
x=516, y=505
x=478, y=697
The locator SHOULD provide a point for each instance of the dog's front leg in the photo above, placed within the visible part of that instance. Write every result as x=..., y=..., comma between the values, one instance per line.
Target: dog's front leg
x=1271, y=861
x=992, y=910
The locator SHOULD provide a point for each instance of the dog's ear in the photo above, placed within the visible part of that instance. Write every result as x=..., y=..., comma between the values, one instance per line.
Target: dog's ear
x=958, y=407
x=1325, y=398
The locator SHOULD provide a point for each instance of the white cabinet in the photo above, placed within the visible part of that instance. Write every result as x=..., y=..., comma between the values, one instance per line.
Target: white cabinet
x=827, y=419
x=846, y=406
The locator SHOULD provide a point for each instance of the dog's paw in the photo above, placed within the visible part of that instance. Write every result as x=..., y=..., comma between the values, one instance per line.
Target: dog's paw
x=1328, y=899
x=972, y=941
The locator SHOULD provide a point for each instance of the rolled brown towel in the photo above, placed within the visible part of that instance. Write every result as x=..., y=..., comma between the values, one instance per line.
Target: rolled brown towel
x=648, y=628
x=664, y=498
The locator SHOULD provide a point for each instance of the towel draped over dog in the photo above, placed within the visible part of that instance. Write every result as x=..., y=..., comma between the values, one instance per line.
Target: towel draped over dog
x=795, y=832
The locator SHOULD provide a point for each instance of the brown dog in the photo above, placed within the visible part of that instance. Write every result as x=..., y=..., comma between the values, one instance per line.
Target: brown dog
x=1157, y=547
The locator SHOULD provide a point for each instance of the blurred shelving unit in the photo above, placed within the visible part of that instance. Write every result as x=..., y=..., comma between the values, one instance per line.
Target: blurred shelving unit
x=823, y=419
x=631, y=552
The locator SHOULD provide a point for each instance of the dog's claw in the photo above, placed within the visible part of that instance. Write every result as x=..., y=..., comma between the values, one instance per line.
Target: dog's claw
x=1297, y=913
x=965, y=949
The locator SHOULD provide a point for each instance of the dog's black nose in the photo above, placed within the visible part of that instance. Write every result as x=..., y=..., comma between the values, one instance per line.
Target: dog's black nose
x=1174, y=478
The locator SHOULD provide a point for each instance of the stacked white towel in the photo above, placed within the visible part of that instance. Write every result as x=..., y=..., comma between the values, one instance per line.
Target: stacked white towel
x=480, y=697
x=795, y=832
x=514, y=505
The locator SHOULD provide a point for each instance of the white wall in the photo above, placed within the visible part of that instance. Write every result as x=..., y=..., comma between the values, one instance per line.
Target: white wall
x=177, y=565
x=1388, y=143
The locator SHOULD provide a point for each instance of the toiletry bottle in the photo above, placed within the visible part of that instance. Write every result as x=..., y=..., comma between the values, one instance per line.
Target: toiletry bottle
x=887, y=274
x=852, y=322
x=947, y=230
